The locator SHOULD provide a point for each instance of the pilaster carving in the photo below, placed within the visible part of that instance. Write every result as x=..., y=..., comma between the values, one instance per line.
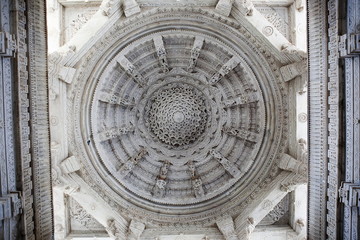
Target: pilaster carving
x=349, y=45
x=7, y=44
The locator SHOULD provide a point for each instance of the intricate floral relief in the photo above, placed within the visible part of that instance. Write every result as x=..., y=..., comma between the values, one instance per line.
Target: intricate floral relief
x=178, y=115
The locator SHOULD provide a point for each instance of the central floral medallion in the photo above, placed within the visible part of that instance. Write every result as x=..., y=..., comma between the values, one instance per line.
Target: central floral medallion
x=177, y=114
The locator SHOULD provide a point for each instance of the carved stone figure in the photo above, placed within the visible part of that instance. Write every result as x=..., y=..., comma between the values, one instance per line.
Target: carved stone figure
x=198, y=188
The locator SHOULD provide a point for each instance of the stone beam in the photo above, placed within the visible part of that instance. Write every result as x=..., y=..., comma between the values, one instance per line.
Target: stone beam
x=225, y=69
x=130, y=69
x=275, y=232
x=227, y=228
x=241, y=133
x=261, y=206
x=94, y=205
x=195, y=52
x=244, y=11
x=161, y=53
x=109, y=12
x=229, y=166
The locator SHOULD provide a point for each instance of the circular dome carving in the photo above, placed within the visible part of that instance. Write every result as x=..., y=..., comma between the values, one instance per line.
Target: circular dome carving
x=172, y=119
x=177, y=115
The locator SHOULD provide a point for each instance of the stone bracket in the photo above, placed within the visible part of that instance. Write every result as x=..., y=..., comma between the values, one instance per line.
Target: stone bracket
x=195, y=52
x=130, y=69
x=288, y=163
x=136, y=228
x=227, y=228
x=115, y=132
x=7, y=44
x=224, y=7
x=131, y=7
x=243, y=99
x=70, y=164
x=229, y=166
x=225, y=69
x=241, y=133
x=293, y=70
x=66, y=74
x=128, y=166
x=10, y=205
x=110, y=7
x=161, y=53
x=112, y=98
x=349, y=45
x=349, y=194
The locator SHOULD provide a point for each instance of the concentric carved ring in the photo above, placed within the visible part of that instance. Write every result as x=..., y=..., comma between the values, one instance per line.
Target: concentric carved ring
x=177, y=114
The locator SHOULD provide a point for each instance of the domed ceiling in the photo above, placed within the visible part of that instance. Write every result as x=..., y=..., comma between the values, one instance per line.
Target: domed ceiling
x=175, y=116
x=169, y=115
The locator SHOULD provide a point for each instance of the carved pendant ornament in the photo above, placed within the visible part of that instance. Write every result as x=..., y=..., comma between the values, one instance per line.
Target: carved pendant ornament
x=176, y=117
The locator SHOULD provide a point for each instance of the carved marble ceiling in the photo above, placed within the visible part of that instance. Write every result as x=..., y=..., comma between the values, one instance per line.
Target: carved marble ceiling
x=175, y=115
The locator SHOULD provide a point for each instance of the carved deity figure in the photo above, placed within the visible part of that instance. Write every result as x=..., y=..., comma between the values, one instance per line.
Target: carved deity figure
x=198, y=188
x=159, y=188
x=250, y=227
x=191, y=166
x=302, y=150
x=164, y=170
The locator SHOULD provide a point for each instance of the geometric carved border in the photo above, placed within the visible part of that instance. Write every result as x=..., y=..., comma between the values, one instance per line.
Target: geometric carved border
x=318, y=118
x=40, y=139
